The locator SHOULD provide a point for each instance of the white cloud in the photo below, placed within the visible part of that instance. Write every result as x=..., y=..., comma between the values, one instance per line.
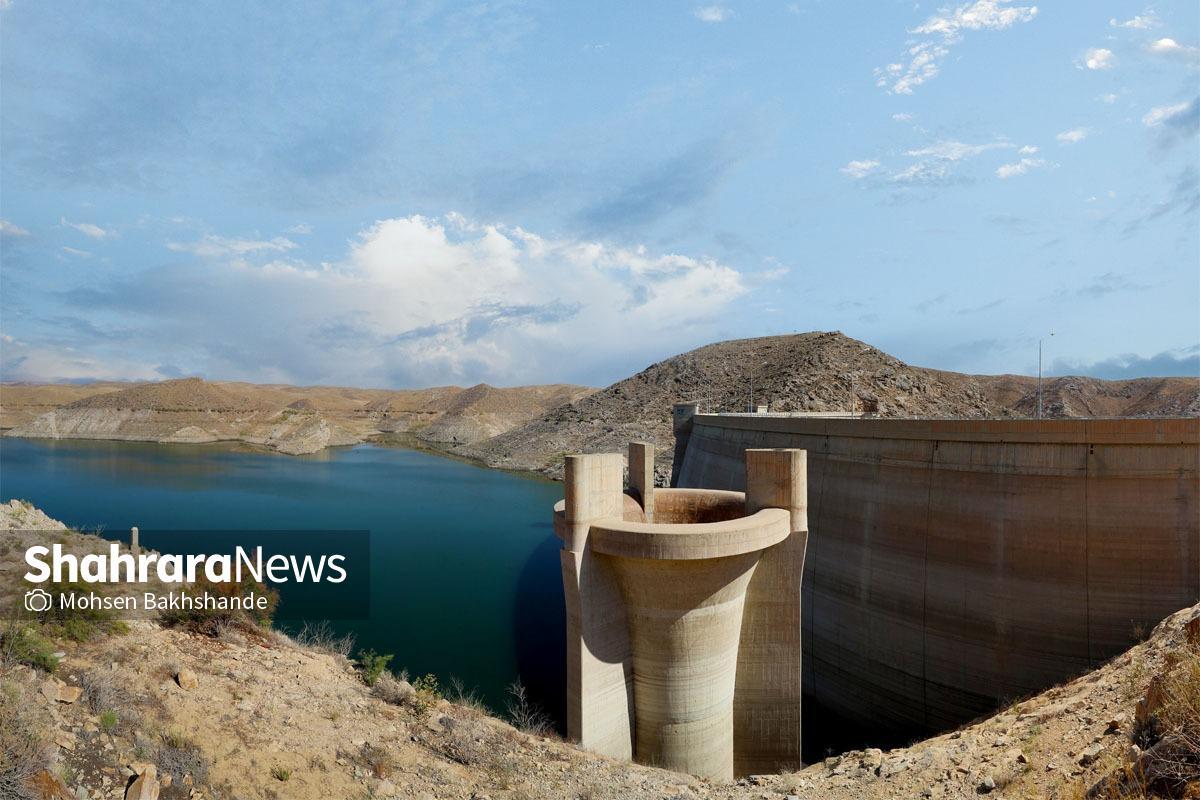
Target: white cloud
x=427, y=301
x=1028, y=150
x=300, y=229
x=921, y=61
x=9, y=229
x=1108, y=98
x=1172, y=49
x=902, y=117
x=859, y=169
x=86, y=228
x=1165, y=114
x=1098, y=58
x=1072, y=136
x=1142, y=21
x=1019, y=168
x=949, y=150
x=219, y=246
x=713, y=14
x=71, y=251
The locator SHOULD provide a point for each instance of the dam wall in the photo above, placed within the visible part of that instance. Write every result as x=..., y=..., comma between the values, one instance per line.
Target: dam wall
x=955, y=565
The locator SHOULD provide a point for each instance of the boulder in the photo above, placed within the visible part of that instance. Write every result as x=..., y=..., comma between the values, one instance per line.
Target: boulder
x=145, y=787
x=187, y=679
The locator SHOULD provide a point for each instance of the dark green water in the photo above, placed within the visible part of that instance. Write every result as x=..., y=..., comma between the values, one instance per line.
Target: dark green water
x=465, y=572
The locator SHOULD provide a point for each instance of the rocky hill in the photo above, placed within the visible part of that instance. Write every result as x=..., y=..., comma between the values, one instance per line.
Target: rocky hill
x=148, y=711
x=287, y=419
x=811, y=372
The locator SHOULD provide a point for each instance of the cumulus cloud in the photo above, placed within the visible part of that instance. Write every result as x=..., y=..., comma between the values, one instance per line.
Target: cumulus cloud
x=1019, y=167
x=220, y=246
x=1027, y=150
x=950, y=150
x=712, y=14
x=1169, y=48
x=421, y=301
x=902, y=117
x=1108, y=98
x=859, y=169
x=86, y=228
x=9, y=229
x=922, y=60
x=1160, y=115
x=1098, y=58
x=1073, y=136
x=300, y=229
x=1143, y=21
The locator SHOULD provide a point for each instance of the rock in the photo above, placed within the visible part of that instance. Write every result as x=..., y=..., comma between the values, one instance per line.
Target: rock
x=68, y=694
x=49, y=786
x=1116, y=723
x=187, y=679
x=987, y=784
x=145, y=787
x=871, y=759
x=1090, y=754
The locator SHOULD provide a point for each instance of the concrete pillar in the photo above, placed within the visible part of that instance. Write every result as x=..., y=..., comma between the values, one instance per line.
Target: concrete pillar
x=685, y=619
x=599, y=699
x=767, y=719
x=133, y=541
x=681, y=421
x=641, y=475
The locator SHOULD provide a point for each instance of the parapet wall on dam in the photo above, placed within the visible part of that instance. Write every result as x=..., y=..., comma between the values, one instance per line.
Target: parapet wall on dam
x=956, y=564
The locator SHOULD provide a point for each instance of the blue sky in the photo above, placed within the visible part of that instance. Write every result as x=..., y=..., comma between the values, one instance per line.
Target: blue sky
x=427, y=193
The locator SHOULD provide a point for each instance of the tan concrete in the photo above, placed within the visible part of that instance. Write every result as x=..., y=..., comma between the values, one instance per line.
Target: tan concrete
x=704, y=625
x=641, y=476
x=954, y=565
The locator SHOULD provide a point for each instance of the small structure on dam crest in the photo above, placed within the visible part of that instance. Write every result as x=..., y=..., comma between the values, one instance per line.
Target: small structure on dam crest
x=683, y=613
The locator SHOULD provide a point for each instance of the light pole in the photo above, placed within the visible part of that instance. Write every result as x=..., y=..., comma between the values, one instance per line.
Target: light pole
x=1039, y=393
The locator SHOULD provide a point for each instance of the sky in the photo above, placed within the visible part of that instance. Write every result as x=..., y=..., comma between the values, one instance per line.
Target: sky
x=426, y=193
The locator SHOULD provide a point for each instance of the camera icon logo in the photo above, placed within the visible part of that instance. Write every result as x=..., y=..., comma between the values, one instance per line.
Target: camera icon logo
x=38, y=600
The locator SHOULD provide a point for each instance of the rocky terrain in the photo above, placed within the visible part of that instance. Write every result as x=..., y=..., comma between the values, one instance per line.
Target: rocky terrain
x=287, y=419
x=149, y=712
x=810, y=372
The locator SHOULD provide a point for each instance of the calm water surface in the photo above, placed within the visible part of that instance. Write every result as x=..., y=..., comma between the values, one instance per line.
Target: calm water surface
x=465, y=573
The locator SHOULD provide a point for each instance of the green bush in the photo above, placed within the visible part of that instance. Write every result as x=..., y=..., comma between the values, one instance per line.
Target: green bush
x=23, y=643
x=372, y=665
x=211, y=622
x=109, y=721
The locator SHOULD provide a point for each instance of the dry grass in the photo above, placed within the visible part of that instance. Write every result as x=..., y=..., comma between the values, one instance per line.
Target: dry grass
x=23, y=740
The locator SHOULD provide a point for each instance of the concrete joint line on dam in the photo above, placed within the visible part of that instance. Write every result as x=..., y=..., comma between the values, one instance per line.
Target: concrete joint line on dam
x=683, y=613
x=956, y=564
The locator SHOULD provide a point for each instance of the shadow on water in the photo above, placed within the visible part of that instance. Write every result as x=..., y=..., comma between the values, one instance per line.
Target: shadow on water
x=539, y=628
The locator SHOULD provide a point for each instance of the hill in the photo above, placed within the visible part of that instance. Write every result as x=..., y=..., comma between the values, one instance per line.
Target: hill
x=811, y=372
x=288, y=419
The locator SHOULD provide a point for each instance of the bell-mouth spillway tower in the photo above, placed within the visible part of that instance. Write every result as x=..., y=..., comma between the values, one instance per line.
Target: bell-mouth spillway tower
x=683, y=613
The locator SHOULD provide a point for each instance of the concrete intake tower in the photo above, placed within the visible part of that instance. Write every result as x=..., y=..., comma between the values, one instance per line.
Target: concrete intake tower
x=683, y=613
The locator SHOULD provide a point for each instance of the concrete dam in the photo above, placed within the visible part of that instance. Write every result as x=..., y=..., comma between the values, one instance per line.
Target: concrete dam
x=955, y=565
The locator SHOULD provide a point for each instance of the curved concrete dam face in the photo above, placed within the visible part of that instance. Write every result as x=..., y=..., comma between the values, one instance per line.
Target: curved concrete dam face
x=956, y=565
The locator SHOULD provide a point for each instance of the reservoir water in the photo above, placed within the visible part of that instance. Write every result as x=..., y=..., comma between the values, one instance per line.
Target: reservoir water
x=465, y=577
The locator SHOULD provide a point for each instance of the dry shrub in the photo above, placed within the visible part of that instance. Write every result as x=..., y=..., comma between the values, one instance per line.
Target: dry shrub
x=524, y=715
x=179, y=758
x=23, y=740
x=323, y=638
x=392, y=690
x=214, y=622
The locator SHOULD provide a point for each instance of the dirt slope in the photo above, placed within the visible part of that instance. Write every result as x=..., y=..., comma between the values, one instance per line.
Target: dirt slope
x=811, y=372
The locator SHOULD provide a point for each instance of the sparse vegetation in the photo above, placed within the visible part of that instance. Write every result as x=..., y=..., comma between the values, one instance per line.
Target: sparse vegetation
x=178, y=757
x=524, y=715
x=22, y=741
x=22, y=642
x=281, y=774
x=109, y=721
x=322, y=638
x=372, y=665
x=427, y=693
x=213, y=622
